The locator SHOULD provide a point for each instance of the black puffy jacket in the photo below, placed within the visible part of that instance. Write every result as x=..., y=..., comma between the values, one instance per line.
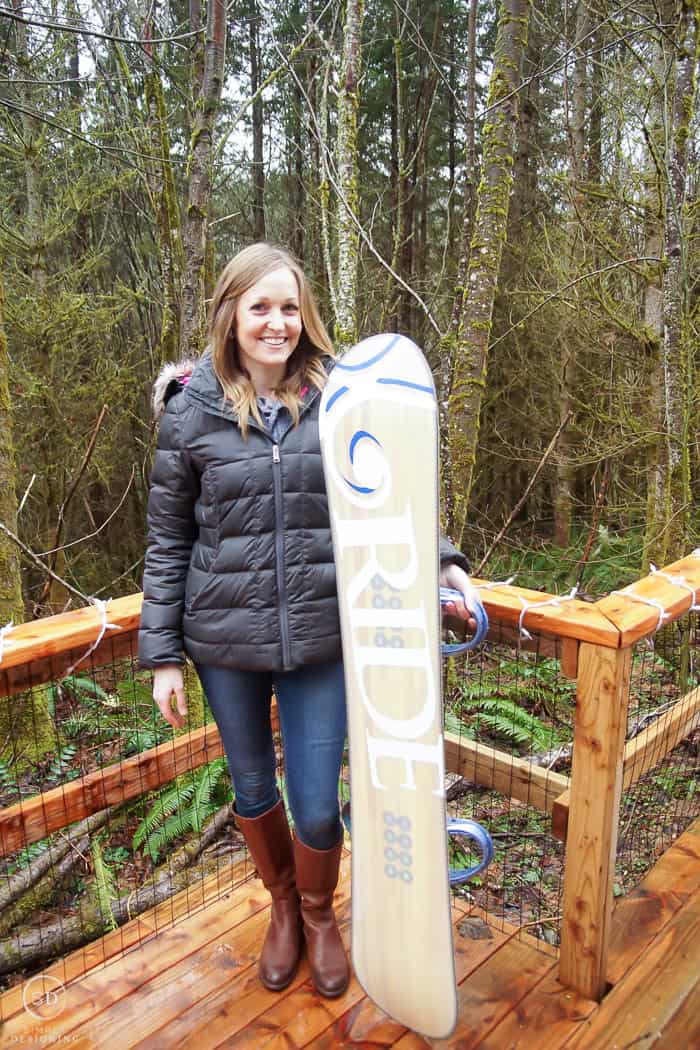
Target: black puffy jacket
x=239, y=565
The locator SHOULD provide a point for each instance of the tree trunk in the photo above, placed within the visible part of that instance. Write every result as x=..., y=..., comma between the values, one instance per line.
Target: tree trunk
x=31, y=141
x=676, y=340
x=654, y=207
x=669, y=484
x=164, y=202
x=447, y=346
x=346, y=165
x=314, y=261
x=490, y=225
x=398, y=177
x=257, y=167
x=567, y=378
x=297, y=195
x=192, y=315
x=11, y=605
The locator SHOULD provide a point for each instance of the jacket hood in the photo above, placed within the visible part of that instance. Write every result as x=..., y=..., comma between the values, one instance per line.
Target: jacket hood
x=172, y=378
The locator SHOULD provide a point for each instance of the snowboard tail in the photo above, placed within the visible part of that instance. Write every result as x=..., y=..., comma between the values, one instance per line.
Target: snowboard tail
x=379, y=440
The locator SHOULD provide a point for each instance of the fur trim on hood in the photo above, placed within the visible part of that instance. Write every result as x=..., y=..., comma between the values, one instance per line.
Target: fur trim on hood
x=173, y=378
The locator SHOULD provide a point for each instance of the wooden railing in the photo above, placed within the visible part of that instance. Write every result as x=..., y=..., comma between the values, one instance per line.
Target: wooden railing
x=594, y=644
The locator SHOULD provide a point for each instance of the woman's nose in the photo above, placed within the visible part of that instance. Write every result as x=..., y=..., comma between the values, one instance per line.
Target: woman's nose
x=275, y=319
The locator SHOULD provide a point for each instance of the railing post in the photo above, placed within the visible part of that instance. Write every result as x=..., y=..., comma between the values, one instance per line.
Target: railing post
x=602, y=698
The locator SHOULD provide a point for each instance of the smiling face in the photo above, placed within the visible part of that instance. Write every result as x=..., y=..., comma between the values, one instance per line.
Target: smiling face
x=268, y=326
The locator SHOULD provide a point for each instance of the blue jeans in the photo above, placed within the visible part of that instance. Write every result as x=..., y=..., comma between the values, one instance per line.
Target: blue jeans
x=311, y=705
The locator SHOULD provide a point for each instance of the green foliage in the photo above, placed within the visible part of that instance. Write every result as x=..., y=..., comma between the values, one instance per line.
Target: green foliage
x=454, y=724
x=27, y=855
x=613, y=562
x=79, y=687
x=496, y=702
x=127, y=714
x=105, y=883
x=8, y=779
x=61, y=767
x=504, y=719
x=678, y=784
x=184, y=808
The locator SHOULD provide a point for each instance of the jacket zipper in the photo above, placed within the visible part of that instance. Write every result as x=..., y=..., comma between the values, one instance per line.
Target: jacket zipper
x=279, y=532
x=279, y=560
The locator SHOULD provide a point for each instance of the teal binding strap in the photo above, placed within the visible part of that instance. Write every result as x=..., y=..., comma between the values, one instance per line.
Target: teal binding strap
x=447, y=594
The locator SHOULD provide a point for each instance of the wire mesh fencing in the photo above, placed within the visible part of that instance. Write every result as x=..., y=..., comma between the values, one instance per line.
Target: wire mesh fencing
x=662, y=789
x=112, y=824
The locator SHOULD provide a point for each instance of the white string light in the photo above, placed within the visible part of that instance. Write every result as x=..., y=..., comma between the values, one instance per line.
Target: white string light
x=679, y=581
x=653, y=602
x=527, y=605
x=101, y=605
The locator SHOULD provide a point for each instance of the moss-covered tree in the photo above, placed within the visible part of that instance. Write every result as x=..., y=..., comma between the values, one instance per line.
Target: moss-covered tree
x=470, y=351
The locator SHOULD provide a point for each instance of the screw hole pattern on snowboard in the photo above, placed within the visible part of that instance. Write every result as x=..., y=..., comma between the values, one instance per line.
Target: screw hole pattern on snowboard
x=396, y=852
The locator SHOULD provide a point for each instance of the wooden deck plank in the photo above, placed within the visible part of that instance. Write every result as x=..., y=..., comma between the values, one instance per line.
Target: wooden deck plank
x=81, y=961
x=91, y=957
x=197, y=985
x=224, y=1012
x=684, y=1028
x=100, y=990
x=244, y=1013
x=643, y=913
x=546, y=1017
x=650, y=995
x=366, y=1025
x=187, y=1005
x=489, y=994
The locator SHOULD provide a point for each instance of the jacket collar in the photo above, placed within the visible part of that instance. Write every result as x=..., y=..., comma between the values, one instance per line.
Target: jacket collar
x=198, y=379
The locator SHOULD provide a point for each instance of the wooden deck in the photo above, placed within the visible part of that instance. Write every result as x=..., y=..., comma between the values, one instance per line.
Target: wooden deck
x=194, y=984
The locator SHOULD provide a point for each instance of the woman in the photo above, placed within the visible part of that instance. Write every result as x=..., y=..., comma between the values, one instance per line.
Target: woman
x=240, y=576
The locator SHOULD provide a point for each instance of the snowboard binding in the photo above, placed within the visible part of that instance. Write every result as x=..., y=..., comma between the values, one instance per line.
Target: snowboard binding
x=447, y=594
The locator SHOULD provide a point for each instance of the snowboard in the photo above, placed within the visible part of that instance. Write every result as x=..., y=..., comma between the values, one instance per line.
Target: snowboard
x=379, y=442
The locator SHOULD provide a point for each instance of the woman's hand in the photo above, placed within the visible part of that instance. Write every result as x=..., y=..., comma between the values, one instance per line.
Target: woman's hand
x=453, y=576
x=167, y=680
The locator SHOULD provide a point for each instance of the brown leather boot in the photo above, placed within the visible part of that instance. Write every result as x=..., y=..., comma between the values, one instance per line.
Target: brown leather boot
x=270, y=845
x=317, y=877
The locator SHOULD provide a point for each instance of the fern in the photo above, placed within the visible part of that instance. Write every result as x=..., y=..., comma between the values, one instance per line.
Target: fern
x=26, y=855
x=185, y=808
x=8, y=779
x=454, y=724
x=60, y=765
x=505, y=718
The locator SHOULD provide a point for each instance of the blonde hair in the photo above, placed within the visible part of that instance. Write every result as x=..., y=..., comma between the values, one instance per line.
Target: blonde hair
x=304, y=367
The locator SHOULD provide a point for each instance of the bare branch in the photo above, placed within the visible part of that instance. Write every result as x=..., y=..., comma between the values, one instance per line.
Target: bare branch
x=44, y=568
x=65, y=28
x=528, y=489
